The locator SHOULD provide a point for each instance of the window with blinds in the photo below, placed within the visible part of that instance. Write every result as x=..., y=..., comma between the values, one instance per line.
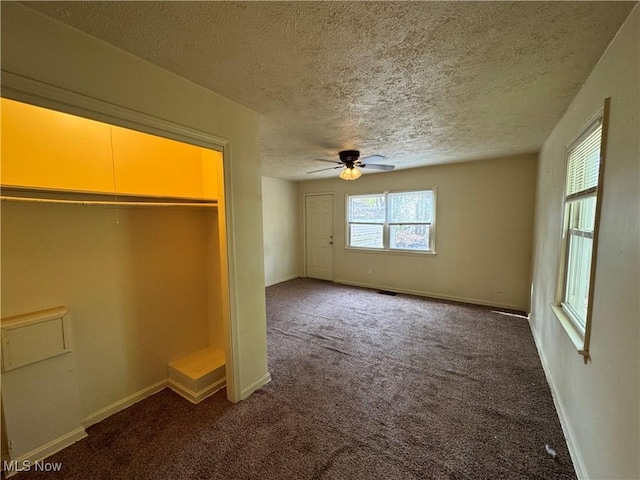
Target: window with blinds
x=585, y=162
x=583, y=168
x=392, y=221
x=583, y=197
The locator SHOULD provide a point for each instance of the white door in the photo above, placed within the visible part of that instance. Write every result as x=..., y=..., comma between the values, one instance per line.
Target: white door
x=319, y=236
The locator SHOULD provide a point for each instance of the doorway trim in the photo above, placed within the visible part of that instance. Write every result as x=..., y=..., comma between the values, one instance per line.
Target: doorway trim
x=27, y=90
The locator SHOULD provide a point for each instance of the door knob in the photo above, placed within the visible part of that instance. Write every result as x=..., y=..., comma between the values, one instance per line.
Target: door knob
x=330, y=243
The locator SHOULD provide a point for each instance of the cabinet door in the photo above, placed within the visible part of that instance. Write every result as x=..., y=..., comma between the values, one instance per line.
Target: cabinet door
x=46, y=149
x=211, y=173
x=155, y=166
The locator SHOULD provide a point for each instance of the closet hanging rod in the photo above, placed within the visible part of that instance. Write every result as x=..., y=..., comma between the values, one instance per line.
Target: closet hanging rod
x=125, y=203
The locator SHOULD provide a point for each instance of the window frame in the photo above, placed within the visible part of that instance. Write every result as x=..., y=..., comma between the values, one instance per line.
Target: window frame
x=386, y=224
x=579, y=335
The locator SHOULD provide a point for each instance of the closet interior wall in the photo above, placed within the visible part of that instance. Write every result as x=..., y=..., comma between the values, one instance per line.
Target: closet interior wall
x=136, y=282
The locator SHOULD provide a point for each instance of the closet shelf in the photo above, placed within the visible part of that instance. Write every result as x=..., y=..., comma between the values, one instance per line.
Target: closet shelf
x=119, y=203
x=62, y=197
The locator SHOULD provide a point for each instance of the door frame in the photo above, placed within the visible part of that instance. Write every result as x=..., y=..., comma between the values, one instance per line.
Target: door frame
x=27, y=90
x=304, y=228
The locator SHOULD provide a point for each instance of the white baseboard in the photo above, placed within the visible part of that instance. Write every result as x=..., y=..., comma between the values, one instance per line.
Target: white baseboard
x=196, y=397
x=124, y=403
x=474, y=301
x=280, y=280
x=572, y=444
x=255, y=386
x=46, y=450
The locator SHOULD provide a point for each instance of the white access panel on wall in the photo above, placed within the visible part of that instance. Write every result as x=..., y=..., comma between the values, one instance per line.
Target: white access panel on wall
x=39, y=384
x=34, y=337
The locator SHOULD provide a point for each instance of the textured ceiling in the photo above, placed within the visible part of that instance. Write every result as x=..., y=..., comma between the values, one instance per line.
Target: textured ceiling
x=418, y=82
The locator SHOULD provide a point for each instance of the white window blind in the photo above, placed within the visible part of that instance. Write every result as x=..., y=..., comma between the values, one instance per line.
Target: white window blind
x=584, y=162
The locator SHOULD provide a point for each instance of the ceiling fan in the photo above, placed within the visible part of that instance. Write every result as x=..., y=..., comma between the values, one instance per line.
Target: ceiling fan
x=351, y=164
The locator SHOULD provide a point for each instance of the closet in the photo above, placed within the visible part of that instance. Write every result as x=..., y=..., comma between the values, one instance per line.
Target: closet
x=121, y=235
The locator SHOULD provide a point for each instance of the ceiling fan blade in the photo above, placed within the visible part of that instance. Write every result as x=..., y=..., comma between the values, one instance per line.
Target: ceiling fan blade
x=330, y=161
x=374, y=166
x=373, y=158
x=323, y=169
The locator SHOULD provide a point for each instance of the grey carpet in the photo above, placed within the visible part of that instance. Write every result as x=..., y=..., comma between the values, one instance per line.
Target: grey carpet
x=365, y=386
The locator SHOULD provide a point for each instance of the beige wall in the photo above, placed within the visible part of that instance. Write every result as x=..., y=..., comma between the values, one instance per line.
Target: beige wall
x=280, y=214
x=598, y=402
x=483, y=233
x=39, y=48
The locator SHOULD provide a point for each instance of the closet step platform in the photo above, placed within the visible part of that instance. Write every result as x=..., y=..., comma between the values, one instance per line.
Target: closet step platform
x=198, y=375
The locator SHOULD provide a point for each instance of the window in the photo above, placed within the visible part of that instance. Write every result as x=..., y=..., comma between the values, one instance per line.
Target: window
x=392, y=221
x=581, y=208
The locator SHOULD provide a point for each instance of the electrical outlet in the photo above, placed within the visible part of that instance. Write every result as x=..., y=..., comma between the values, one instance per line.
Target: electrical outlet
x=370, y=271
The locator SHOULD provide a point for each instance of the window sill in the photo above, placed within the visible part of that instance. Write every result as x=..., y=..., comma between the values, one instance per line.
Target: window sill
x=575, y=335
x=389, y=252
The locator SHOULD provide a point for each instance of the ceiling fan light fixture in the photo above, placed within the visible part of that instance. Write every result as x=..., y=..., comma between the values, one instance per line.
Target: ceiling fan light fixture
x=350, y=173
x=350, y=164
